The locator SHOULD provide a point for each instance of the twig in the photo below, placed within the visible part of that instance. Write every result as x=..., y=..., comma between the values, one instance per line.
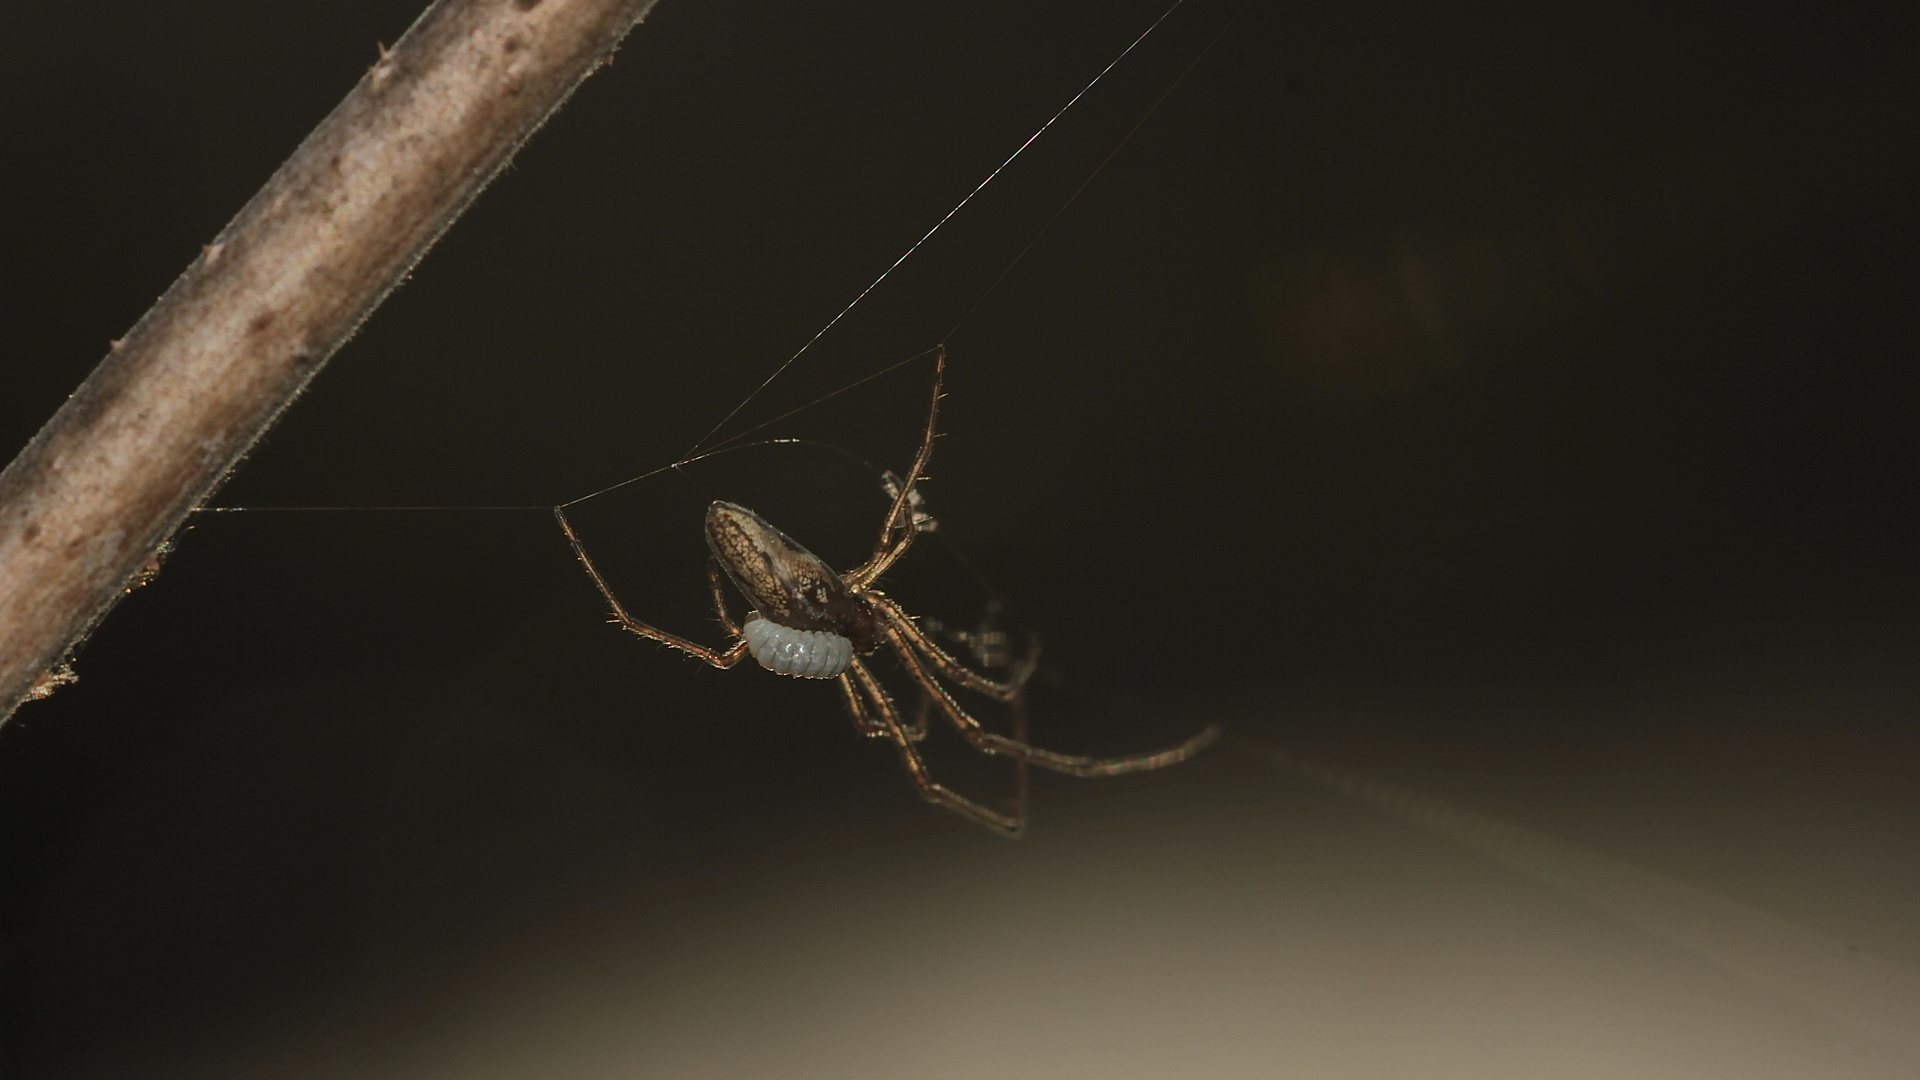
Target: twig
x=89, y=505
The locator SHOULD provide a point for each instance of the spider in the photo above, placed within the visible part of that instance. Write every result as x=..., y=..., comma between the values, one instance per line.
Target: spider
x=812, y=623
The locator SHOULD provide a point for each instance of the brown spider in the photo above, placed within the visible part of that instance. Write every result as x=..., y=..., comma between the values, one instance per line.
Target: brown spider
x=812, y=623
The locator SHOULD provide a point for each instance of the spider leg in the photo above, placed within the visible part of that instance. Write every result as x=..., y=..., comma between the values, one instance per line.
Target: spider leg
x=1008, y=826
x=868, y=726
x=720, y=598
x=878, y=565
x=945, y=662
x=872, y=728
x=721, y=660
x=1071, y=764
x=888, y=549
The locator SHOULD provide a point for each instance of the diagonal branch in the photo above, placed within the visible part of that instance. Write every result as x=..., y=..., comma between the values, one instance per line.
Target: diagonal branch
x=89, y=504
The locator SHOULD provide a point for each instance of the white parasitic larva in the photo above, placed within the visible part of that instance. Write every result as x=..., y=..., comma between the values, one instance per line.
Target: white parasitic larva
x=806, y=654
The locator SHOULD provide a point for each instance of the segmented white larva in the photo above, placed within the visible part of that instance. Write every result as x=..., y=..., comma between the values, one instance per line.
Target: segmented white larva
x=805, y=654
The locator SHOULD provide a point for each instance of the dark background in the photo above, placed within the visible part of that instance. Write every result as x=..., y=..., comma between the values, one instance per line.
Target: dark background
x=1516, y=398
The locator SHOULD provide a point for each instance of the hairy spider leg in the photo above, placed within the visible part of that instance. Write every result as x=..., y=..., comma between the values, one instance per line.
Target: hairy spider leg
x=720, y=599
x=1009, y=692
x=888, y=549
x=952, y=668
x=989, y=742
x=947, y=664
x=868, y=725
x=721, y=660
x=1008, y=826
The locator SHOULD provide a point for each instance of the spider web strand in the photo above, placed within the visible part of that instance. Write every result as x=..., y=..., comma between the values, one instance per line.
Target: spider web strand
x=1104, y=162
x=904, y=256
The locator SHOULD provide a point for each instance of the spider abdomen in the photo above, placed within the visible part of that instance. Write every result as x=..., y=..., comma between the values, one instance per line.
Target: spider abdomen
x=805, y=654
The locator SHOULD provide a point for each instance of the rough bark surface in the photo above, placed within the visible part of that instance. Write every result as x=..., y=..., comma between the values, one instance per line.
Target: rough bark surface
x=87, y=507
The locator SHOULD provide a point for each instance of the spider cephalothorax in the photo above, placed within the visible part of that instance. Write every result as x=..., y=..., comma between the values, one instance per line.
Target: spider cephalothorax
x=811, y=622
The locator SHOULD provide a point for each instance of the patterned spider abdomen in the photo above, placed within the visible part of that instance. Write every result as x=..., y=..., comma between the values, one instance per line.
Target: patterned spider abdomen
x=805, y=654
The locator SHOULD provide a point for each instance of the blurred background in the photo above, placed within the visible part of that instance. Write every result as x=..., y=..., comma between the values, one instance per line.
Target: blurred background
x=1516, y=405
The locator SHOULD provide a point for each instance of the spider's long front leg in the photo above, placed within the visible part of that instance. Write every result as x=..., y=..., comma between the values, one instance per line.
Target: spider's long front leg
x=1008, y=826
x=945, y=661
x=888, y=549
x=1071, y=764
x=718, y=659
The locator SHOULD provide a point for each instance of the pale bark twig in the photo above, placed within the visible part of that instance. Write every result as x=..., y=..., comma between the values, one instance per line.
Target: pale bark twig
x=88, y=506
